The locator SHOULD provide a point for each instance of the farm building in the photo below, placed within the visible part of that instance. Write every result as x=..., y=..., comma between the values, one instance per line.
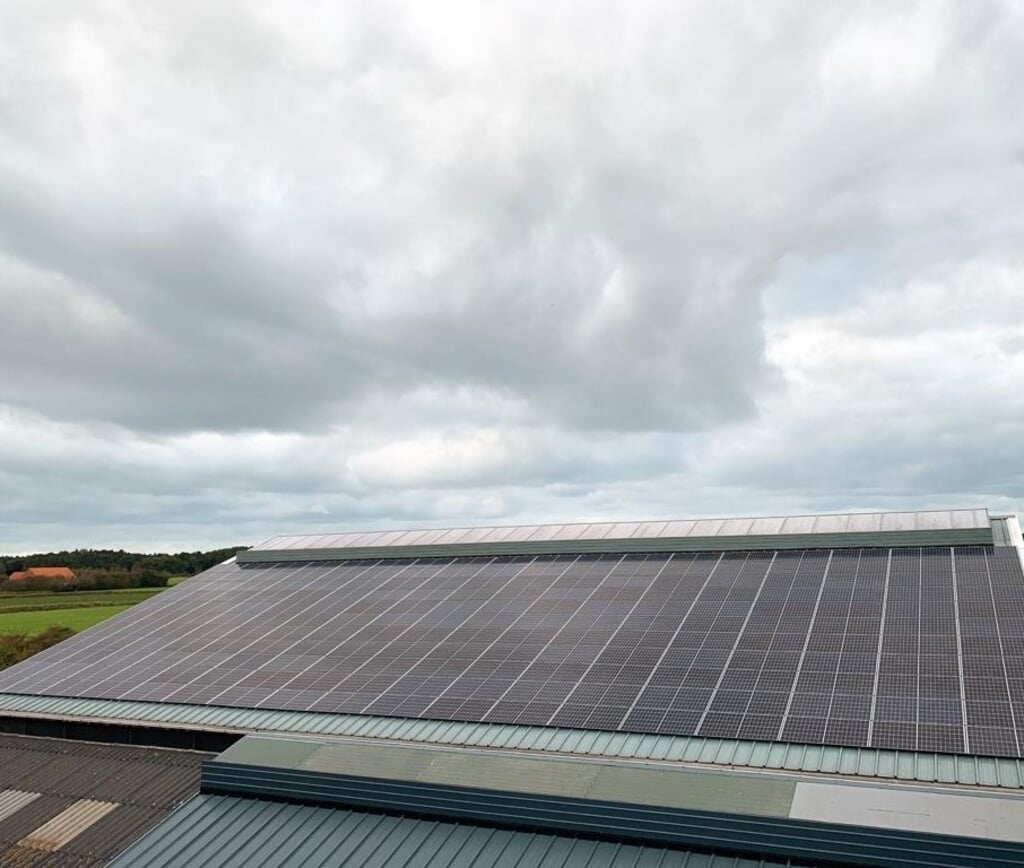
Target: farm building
x=58, y=574
x=806, y=690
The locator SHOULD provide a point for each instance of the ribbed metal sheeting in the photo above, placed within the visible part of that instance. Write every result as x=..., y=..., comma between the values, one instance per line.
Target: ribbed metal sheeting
x=224, y=832
x=857, y=762
x=841, y=839
x=934, y=527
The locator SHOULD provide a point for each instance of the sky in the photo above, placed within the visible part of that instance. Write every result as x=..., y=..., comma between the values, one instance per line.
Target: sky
x=309, y=266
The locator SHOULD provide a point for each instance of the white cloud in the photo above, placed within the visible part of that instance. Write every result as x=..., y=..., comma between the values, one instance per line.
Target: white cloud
x=897, y=50
x=914, y=395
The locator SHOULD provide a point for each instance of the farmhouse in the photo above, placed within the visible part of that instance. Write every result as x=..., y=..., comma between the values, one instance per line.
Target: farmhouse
x=51, y=573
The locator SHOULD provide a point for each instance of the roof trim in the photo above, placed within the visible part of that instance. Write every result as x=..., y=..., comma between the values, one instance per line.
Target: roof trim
x=1006, y=532
x=1001, y=772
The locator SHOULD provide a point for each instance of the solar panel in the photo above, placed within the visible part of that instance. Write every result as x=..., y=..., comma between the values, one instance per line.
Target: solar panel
x=913, y=649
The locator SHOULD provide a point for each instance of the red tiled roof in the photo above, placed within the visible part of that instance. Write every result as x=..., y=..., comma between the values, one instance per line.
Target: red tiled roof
x=43, y=573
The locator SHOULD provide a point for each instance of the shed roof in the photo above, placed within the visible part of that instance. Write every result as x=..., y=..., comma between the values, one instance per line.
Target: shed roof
x=78, y=804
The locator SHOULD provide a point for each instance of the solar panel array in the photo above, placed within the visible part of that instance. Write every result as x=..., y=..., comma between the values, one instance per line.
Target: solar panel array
x=917, y=649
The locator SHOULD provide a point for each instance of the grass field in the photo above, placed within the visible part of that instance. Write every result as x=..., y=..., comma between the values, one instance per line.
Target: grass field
x=115, y=592
x=31, y=612
x=24, y=615
x=24, y=601
x=78, y=619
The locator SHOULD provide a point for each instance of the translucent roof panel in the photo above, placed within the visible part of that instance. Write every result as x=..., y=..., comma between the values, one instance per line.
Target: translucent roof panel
x=765, y=527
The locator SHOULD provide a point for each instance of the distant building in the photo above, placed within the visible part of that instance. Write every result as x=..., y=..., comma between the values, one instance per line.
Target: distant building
x=52, y=573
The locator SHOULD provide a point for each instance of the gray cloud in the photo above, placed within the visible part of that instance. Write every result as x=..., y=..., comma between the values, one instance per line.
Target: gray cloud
x=391, y=264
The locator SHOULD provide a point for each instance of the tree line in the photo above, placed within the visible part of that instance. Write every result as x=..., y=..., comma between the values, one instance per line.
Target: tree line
x=103, y=569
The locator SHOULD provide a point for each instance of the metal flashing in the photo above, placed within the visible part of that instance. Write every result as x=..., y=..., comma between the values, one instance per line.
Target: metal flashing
x=1006, y=532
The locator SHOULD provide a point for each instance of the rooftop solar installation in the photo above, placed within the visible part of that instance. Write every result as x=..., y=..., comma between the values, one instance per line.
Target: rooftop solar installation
x=908, y=648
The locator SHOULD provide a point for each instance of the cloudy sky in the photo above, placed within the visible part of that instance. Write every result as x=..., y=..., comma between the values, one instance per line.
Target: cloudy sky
x=301, y=266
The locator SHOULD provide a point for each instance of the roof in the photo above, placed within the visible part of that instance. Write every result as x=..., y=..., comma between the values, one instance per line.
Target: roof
x=679, y=644
x=787, y=816
x=217, y=831
x=43, y=573
x=924, y=767
x=78, y=803
x=931, y=527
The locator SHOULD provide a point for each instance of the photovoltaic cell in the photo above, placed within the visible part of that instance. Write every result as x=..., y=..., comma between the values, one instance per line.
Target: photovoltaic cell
x=905, y=648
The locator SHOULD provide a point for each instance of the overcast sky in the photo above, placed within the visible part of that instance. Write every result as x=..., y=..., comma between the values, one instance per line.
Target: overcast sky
x=299, y=266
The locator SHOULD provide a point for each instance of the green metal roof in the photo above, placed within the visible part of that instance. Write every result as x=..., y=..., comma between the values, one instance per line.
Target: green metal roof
x=225, y=832
x=856, y=762
x=799, y=817
x=656, y=785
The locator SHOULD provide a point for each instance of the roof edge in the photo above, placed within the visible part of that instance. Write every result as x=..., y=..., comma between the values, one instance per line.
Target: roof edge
x=871, y=539
x=969, y=770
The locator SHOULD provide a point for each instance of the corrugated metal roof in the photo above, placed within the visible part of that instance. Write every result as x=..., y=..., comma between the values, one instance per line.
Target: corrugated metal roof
x=933, y=527
x=855, y=762
x=221, y=831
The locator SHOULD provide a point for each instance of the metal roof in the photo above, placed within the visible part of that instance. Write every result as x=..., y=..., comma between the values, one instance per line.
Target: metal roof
x=933, y=527
x=777, y=815
x=78, y=804
x=854, y=762
x=222, y=832
x=1006, y=532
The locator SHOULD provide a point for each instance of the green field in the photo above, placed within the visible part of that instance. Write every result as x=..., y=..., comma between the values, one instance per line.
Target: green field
x=78, y=619
x=23, y=601
x=31, y=612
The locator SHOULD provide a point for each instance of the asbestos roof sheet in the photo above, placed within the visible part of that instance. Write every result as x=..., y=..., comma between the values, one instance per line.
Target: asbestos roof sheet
x=222, y=831
x=78, y=803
